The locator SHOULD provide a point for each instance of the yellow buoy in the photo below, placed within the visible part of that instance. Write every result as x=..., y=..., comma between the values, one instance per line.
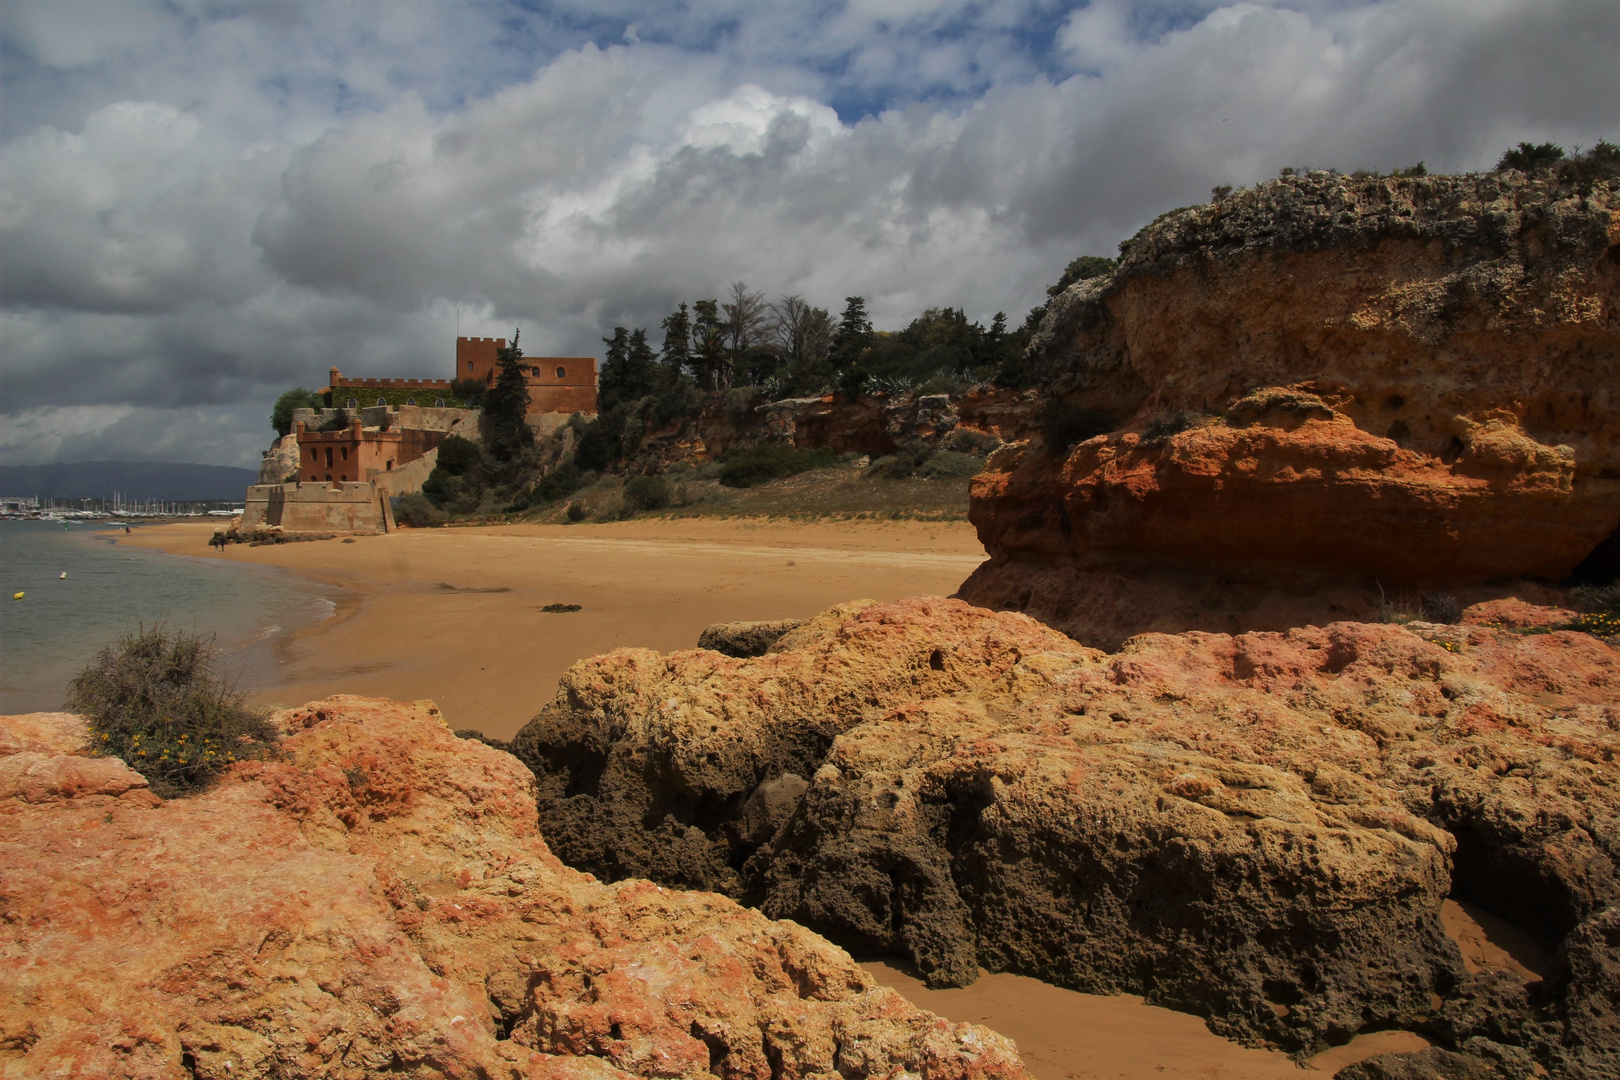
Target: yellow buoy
x=17, y=596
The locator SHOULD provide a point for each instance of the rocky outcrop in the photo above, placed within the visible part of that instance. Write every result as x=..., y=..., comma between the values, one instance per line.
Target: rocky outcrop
x=746, y=638
x=280, y=461
x=379, y=902
x=1257, y=828
x=1411, y=381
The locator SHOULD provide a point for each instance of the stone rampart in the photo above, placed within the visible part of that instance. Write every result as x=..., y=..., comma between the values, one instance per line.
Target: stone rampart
x=352, y=507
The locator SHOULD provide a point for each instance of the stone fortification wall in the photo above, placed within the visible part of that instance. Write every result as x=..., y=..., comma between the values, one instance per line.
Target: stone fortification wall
x=405, y=417
x=353, y=507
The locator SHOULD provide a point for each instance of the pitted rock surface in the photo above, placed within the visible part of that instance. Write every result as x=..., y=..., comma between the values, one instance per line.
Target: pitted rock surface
x=1256, y=828
x=1321, y=384
x=380, y=903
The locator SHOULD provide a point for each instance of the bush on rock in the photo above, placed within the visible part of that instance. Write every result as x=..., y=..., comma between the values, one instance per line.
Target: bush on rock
x=157, y=700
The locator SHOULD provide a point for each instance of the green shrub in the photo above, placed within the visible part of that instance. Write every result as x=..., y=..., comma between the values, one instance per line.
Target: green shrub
x=1528, y=157
x=156, y=699
x=415, y=511
x=1174, y=422
x=1441, y=608
x=965, y=441
x=559, y=483
x=761, y=464
x=1596, y=599
x=576, y=511
x=950, y=465
x=647, y=492
x=459, y=456
x=1064, y=425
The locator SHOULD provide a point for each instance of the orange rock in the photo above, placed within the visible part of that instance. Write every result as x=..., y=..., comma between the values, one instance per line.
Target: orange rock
x=380, y=902
x=1411, y=380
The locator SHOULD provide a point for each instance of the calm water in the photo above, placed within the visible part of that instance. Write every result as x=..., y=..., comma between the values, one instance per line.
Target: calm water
x=46, y=637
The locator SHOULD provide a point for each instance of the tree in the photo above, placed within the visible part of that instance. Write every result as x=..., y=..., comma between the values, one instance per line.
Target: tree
x=506, y=405
x=998, y=328
x=281, y=413
x=744, y=313
x=627, y=373
x=854, y=332
x=1529, y=157
x=709, y=360
x=677, y=350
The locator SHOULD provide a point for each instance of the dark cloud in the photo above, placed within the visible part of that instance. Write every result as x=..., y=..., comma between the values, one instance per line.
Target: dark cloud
x=202, y=203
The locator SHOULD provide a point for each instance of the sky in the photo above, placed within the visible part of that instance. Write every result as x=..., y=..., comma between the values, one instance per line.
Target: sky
x=204, y=202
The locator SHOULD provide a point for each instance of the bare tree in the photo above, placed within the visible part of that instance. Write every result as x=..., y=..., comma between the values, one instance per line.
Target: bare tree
x=744, y=315
x=799, y=330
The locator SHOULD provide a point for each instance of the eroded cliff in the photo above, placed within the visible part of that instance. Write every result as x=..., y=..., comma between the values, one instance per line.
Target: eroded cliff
x=1321, y=384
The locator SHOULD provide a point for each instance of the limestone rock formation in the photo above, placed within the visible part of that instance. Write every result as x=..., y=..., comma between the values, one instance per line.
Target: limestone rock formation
x=379, y=902
x=746, y=638
x=1321, y=383
x=1257, y=828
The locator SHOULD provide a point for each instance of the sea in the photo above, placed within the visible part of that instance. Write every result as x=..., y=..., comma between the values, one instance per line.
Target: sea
x=59, y=624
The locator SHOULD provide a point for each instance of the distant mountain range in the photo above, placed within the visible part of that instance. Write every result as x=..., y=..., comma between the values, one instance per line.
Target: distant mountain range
x=169, y=480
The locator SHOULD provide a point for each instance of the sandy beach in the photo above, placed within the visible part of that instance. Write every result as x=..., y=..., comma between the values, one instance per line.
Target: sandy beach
x=454, y=615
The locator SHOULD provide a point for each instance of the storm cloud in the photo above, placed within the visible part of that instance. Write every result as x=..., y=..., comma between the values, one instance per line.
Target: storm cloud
x=203, y=203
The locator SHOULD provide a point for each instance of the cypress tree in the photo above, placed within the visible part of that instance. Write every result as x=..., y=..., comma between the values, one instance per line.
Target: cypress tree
x=506, y=406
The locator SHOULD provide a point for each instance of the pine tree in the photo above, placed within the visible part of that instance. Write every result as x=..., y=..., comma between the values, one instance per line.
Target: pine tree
x=677, y=350
x=709, y=359
x=506, y=406
x=854, y=332
x=613, y=386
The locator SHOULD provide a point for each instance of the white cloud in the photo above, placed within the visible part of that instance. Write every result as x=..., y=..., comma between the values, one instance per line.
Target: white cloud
x=203, y=204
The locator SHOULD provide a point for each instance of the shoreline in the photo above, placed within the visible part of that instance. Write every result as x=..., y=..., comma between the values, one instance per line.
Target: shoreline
x=453, y=615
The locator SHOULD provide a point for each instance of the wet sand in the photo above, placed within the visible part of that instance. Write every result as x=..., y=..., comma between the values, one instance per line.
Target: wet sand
x=453, y=615
x=1066, y=1035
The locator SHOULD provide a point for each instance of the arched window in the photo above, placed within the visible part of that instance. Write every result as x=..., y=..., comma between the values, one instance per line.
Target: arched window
x=410, y=401
x=329, y=459
x=535, y=372
x=438, y=402
x=469, y=365
x=353, y=404
x=562, y=373
x=382, y=400
x=345, y=450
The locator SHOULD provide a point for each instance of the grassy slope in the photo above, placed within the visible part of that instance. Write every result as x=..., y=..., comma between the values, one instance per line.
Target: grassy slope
x=841, y=491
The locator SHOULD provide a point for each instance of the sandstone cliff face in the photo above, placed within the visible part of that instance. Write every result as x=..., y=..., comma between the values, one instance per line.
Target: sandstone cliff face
x=1415, y=380
x=381, y=903
x=1257, y=828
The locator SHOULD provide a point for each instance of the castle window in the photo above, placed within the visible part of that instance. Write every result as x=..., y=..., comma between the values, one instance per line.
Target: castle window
x=329, y=459
x=353, y=404
x=562, y=373
x=438, y=402
x=382, y=401
x=410, y=401
x=345, y=450
x=469, y=365
x=535, y=372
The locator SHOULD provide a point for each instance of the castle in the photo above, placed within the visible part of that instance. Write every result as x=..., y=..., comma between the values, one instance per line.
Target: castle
x=556, y=384
x=329, y=475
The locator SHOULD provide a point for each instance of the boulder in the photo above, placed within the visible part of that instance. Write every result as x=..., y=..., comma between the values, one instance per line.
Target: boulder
x=379, y=902
x=1257, y=828
x=1318, y=384
x=746, y=638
